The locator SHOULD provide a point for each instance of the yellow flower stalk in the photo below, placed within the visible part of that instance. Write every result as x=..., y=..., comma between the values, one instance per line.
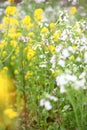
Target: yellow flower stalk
x=6, y=88
x=30, y=53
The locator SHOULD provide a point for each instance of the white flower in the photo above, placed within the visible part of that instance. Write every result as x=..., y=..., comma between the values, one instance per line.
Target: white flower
x=82, y=75
x=78, y=59
x=60, y=80
x=65, y=53
x=62, y=89
x=39, y=1
x=71, y=49
x=42, y=65
x=69, y=78
x=58, y=48
x=42, y=102
x=64, y=35
x=47, y=105
x=53, y=61
x=61, y=63
x=80, y=84
x=52, y=97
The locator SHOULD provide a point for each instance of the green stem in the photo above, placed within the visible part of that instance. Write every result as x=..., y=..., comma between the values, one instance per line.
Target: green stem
x=74, y=108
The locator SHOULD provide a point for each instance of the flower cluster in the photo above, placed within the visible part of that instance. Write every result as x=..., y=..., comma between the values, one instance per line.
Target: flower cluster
x=40, y=56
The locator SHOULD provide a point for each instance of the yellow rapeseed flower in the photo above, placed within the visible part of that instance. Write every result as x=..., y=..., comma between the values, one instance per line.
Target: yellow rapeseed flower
x=3, y=44
x=12, y=63
x=72, y=57
x=26, y=20
x=56, y=35
x=50, y=48
x=17, y=50
x=38, y=15
x=13, y=57
x=6, y=20
x=74, y=47
x=10, y=113
x=5, y=68
x=44, y=30
x=28, y=74
x=31, y=34
x=73, y=10
x=52, y=26
x=13, y=22
x=13, y=43
x=4, y=54
x=16, y=72
x=30, y=53
x=6, y=88
x=10, y=10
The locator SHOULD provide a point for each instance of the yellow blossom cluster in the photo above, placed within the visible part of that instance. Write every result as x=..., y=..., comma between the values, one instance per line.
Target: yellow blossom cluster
x=6, y=88
x=10, y=113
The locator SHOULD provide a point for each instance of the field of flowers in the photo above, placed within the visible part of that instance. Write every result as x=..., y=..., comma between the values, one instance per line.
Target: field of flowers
x=43, y=67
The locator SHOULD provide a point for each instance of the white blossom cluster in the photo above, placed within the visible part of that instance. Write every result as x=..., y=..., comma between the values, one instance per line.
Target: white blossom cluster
x=46, y=101
x=70, y=59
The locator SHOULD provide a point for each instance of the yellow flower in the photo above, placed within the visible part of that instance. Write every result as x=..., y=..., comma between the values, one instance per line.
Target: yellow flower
x=12, y=30
x=17, y=50
x=78, y=28
x=72, y=57
x=1, y=26
x=26, y=20
x=10, y=21
x=13, y=57
x=4, y=54
x=52, y=25
x=31, y=34
x=12, y=63
x=73, y=10
x=13, y=43
x=74, y=47
x=11, y=1
x=6, y=20
x=30, y=53
x=13, y=22
x=16, y=72
x=5, y=68
x=3, y=44
x=11, y=10
x=38, y=15
x=6, y=87
x=28, y=74
x=56, y=35
x=44, y=30
x=10, y=113
x=51, y=48
x=14, y=35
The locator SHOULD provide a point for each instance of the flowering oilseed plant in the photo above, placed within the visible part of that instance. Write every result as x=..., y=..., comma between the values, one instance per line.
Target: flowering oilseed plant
x=45, y=66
